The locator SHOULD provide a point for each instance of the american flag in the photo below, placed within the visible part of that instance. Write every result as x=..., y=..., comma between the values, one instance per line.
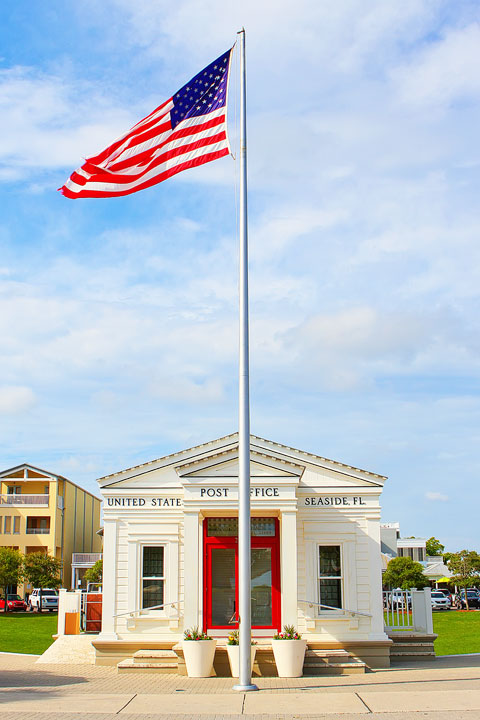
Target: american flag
x=187, y=130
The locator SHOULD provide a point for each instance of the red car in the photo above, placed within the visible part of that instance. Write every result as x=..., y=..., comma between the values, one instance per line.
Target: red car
x=14, y=602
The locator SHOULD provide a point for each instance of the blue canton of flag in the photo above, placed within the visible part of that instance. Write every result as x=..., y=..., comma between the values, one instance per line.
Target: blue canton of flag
x=207, y=91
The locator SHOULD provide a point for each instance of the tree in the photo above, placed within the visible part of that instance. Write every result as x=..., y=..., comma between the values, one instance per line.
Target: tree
x=43, y=571
x=404, y=573
x=465, y=566
x=11, y=569
x=434, y=547
x=94, y=574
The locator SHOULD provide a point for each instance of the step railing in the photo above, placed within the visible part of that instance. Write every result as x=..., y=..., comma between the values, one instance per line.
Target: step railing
x=145, y=611
x=311, y=603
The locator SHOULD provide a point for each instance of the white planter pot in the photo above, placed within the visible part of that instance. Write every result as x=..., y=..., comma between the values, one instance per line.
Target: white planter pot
x=234, y=658
x=289, y=656
x=199, y=656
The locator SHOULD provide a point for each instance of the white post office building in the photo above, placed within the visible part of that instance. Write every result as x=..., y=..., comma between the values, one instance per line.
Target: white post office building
x=171, y=550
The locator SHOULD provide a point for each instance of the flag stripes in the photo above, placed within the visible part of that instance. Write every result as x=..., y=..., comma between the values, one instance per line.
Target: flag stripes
x=187, y=130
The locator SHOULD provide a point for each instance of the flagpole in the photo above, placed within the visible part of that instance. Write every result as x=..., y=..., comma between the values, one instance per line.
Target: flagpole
x=244, y=563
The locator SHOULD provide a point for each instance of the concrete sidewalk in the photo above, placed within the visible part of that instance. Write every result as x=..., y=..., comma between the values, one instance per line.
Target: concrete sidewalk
x=440, y=689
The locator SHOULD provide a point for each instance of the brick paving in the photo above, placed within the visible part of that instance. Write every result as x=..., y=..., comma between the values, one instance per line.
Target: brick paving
x=20, y=674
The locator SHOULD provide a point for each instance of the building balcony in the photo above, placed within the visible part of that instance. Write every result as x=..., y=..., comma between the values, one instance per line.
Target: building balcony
x=37, y=531
x=85, y=559
x=18, y=500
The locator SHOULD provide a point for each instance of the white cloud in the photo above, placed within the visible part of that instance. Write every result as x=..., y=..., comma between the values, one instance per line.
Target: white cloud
x=444, y=71
x=189, y=392
x=436, y=496
x=15, y=399
x=47, y=121
x=347, y=348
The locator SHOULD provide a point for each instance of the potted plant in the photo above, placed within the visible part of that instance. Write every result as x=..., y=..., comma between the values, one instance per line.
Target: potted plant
x=198, y=651
x=233, y=650
x=289, y=652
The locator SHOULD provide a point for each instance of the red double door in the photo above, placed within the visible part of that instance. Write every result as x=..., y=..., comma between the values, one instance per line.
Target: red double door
x=221, y=573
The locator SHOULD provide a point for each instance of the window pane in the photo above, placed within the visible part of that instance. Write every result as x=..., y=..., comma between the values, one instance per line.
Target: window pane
x=330, y=561
x=263, y=527
x=228, y=527
x=153, y=562
x=223, y=586
x=152, y=593
x=331, y=593
x=261, y=586
x=222, y=527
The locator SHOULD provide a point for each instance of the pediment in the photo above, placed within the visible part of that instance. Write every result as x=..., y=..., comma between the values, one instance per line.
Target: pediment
x=27, y=472
x=229, y=469
x=219, y=459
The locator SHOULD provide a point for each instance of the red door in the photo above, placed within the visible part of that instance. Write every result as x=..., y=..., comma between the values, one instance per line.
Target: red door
x=221, y=573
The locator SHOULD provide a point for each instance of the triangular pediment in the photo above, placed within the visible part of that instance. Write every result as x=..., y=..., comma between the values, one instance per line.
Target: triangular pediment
x=219, y=459
x=27, y=472
x=229, y=469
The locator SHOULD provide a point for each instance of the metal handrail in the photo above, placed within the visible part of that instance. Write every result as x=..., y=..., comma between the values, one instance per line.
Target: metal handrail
x=146, y=610
x=330, y=607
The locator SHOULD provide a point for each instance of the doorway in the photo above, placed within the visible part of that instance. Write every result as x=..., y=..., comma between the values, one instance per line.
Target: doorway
x=221, y=573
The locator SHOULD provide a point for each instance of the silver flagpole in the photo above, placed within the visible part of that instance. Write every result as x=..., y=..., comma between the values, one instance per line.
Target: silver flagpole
x=244, y=567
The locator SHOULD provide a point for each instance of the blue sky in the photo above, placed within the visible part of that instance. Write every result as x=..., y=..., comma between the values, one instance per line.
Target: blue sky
x=119, y=317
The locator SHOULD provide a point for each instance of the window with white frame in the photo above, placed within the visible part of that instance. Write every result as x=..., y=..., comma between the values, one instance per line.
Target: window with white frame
x=153, y=576
x=330, y=577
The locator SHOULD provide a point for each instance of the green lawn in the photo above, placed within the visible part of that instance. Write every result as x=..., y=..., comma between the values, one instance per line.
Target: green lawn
x=27, y=632
x=458, y=632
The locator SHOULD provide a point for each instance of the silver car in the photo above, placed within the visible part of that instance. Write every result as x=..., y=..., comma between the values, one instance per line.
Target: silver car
x=440, y=601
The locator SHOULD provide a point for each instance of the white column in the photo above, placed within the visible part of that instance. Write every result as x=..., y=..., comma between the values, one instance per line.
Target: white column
x=61, y=611
x=375, y=565
x=110, y=579
x=288, y=568
x=191, y=570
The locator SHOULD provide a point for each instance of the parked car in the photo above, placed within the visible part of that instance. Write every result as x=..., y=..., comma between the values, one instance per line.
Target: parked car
x=440, y=601
x=472, y=597
x=400, y=599
x=49, y=599
x=14, y=602
x=447, y=594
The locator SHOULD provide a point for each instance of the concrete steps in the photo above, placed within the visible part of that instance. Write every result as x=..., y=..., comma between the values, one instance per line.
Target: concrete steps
x=159, y=661
x=331, y=662
x=411, y=651
x=411, y=646
x=317, y=662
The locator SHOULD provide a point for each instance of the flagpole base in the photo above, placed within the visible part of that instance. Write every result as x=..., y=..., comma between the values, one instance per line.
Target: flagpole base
x=245, y=688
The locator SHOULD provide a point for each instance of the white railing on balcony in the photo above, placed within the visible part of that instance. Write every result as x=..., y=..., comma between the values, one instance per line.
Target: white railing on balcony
x=37, y=531
x=85, y=558
x=17, y=500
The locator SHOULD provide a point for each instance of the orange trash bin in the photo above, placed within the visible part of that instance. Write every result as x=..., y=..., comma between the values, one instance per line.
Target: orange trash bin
x=72, y=623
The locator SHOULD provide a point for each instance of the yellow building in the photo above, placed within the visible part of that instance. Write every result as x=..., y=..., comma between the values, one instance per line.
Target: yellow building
x=40, y=511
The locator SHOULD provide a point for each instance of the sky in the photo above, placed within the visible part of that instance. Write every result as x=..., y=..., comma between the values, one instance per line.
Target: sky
x=118, y=317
